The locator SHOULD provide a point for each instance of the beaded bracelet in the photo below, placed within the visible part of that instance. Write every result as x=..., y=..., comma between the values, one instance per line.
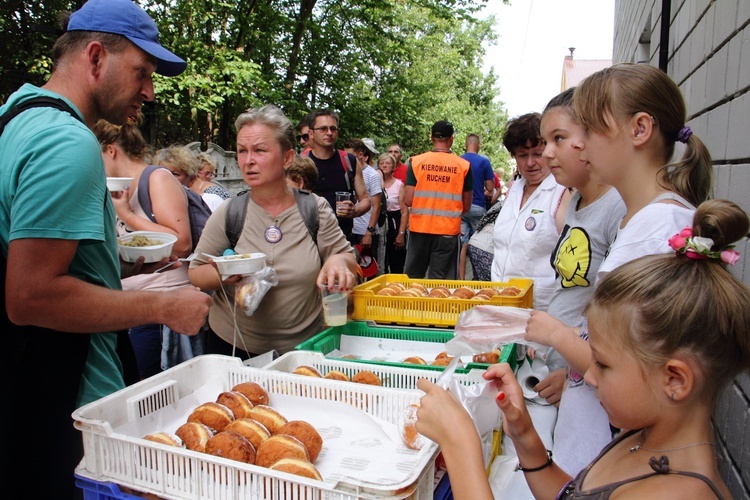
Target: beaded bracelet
x=549, y=462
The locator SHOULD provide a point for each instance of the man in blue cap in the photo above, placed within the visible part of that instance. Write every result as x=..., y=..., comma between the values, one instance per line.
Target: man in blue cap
x=61, y=295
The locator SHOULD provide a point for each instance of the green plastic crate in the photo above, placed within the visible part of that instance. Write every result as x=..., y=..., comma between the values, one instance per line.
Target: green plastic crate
x=330, y=339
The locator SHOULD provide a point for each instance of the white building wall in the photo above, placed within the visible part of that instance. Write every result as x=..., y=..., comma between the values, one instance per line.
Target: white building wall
x=709, y=58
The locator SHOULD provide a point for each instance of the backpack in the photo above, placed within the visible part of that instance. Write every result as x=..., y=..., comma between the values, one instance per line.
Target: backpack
x=346, y=164
x=35, y=102
x=198, y=210
x=237, y=211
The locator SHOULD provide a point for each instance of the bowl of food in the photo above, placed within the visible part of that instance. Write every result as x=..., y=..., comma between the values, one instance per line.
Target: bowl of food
x=118, y=183
x=151, y=245
x=241, y=263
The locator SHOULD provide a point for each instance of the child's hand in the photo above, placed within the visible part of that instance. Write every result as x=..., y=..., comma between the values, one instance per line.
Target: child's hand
x=441, y=417
x=516, y=420
x=541, y=328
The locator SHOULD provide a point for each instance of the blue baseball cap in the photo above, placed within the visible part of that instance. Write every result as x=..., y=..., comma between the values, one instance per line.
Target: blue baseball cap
x=126, y=18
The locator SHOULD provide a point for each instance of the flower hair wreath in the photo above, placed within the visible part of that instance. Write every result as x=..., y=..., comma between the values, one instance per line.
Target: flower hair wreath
x=699, y=248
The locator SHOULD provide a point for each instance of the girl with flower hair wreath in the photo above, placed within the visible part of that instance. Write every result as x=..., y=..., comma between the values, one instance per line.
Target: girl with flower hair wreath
x=667, y=334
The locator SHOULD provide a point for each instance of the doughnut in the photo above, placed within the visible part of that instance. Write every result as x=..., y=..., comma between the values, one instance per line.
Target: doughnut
x=490, y=292
x=439, y=292
x=298, y=467
x=487, y=357
x=307, y=434
x=399, y=287
x=420, y=287
x=408, y=427
x=443, y=354
x=195, y=435
x=442, y=361
x=416, y=360
x=269, y=417
x=510, y=291
x=337, y=375
x=165, y=438
x=243, y=295
x=349, y=356
x=231, y=445
x=214, y=415
x=410, y=292
x=254, y=431
x=252, y=391
x=463, y=292
x=237, y=402
x=280, y=446
x=387, y=291
x=308, y=371
x=366, y=377
x=481, y=296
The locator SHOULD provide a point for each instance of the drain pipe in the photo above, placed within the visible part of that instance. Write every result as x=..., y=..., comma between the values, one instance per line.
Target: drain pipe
x=666, y=15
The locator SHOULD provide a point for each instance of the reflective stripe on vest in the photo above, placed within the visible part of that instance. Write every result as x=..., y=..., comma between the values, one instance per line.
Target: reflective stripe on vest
x=438, y=196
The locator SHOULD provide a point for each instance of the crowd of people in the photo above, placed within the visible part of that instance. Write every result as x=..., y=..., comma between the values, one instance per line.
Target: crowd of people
x=640, y=320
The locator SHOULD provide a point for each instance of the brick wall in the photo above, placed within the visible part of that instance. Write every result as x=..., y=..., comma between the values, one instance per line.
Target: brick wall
x=709, y=58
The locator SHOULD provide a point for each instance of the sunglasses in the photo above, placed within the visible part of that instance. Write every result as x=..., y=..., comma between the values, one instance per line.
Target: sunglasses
x=324, y=129
x=303, y=137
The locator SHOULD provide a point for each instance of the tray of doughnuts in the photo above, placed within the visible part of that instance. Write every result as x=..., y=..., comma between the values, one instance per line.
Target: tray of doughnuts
x=399, y=300
x=212, y=427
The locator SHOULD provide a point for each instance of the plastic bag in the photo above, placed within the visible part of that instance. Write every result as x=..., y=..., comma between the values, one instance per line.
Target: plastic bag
x=251, y=289
x=484, y=328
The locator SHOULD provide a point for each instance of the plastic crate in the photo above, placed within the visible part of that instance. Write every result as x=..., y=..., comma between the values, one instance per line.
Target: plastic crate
x=391, y=376
x=429, y=311
x=330, y=339
x=97, y=490
x=114, y=453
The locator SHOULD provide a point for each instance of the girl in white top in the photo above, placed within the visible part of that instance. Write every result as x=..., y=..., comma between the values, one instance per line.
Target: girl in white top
x=533, y=214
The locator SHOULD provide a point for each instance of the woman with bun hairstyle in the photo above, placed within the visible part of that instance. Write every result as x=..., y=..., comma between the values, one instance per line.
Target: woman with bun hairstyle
x=667, y=332
x=634, y=115
x=292, y=311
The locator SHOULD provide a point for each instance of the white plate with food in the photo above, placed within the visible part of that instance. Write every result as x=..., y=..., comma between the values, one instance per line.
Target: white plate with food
x=118, y=183
x=241, y=263
x=153, y=246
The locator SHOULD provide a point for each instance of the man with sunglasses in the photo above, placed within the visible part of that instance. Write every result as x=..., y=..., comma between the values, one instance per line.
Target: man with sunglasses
x=337, y=170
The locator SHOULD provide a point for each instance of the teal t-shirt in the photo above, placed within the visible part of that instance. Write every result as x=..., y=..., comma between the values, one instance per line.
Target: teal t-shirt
x=52, y=181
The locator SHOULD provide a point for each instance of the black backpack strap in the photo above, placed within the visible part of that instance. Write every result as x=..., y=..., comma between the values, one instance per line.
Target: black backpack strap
x=36, y=102
x=144, y=197
x=237, y=211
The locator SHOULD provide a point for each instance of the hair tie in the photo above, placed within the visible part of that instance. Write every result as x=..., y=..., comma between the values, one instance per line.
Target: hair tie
x=684, y=134
x=699, y=248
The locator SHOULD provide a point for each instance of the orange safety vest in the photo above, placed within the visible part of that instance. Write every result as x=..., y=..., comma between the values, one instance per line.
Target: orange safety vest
x=438, y=195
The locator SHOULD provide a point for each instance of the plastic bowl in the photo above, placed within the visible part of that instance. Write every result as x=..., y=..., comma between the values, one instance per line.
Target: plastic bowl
x=244, y=263
x=118, y=183
x=152, y=253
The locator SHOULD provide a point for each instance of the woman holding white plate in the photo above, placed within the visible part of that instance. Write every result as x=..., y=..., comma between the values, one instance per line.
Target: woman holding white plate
x=291, y=311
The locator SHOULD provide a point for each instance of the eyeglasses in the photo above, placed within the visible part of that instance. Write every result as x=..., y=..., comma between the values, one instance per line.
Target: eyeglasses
x=332, y=128
x=303, y=137
x=207, y=174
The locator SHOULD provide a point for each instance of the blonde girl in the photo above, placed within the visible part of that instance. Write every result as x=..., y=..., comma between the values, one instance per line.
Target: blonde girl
x=667, y=333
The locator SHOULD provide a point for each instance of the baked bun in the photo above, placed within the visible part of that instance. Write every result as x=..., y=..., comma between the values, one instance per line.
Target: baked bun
x=439, y=292
x=420, y=287
x=410, y=292
x=269, y=417
x=195, y=435
x=443, y=354
x=308, y=371
x=254, y=431
x=487, y=357
x=337, y=375
x=298, y=467
x=400, y=287
x=442, y=361
x=416, y=360
x=237, y=402
x=366, y=377
x=307, y=434
x=463, y=292
x=243, y=294
x=252, y=391
x=511, y=291
x=387, y=291
x=489, y=292
x=481, y=296
x=280, y=446
x=214, y=415
x=165, y=438
x=408, y=427
x=231, y=445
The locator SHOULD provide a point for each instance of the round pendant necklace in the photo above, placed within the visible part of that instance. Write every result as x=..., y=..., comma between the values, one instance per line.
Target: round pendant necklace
x=639, y=447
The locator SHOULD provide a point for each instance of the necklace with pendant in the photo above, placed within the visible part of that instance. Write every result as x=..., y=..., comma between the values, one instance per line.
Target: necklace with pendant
x=640, y=447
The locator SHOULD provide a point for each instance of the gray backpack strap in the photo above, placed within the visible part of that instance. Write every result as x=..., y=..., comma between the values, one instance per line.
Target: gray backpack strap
x=237, y=211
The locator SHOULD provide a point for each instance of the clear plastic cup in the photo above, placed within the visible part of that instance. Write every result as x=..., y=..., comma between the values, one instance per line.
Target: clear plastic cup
x=341, y=196
x=334, y=306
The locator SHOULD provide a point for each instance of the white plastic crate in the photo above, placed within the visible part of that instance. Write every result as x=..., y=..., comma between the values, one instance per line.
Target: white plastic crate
x=396, y=377
x=177, y=473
